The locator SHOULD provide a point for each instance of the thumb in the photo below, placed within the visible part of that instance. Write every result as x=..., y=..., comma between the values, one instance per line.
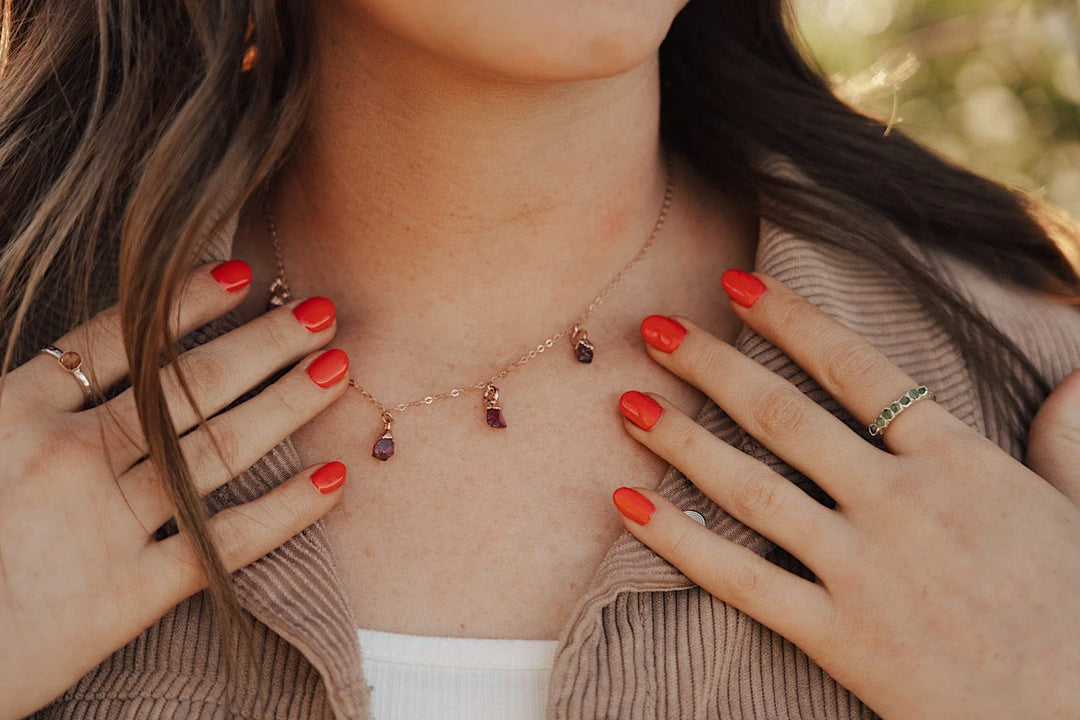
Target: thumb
x=1054, y=440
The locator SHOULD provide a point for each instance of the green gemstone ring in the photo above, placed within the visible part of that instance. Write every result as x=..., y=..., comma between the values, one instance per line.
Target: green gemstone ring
x=893, y=409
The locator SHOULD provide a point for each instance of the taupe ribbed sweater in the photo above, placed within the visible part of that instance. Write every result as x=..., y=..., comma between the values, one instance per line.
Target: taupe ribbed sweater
x=643, y=642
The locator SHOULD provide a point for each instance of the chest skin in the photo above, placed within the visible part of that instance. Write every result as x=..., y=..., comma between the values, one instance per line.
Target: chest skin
x=472, y=531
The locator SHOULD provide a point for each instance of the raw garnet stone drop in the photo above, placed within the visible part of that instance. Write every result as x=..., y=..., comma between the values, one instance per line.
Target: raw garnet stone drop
x=584, y=351
x=495, y=418
x=492, y=411
x=384, y=448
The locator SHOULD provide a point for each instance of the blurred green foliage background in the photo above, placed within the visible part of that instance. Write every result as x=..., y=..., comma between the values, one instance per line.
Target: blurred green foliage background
x=991, y=84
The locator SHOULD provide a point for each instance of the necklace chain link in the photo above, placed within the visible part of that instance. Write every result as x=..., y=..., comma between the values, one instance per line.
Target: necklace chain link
x=281, y=293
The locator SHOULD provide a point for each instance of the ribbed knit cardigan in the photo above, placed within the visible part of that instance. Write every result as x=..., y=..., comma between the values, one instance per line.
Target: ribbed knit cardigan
x=643, y=642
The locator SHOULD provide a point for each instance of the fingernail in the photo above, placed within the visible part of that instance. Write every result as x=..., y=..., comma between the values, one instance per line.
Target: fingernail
x=742, y=287
x=233, y=275
x=633, y=505
x=328, y=368
x=315, y=313
x=662, y=333
x=640, y=409
x=329, y=477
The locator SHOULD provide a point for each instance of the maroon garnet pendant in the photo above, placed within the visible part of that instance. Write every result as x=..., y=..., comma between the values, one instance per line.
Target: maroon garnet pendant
x=495, y=418
x=583, y=349
x=384, y=446
x=492, y=411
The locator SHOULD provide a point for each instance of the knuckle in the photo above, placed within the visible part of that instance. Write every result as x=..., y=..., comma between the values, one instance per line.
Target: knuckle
x=211, y=452
x=281, y=340
x=216, y=444
x=275, y=521
x=943, y=442
x=743, y=582
x=187, y=572
x=70, y=439
x=193, y=298
x=288, y=402
x=676, y=546
x=683, y=439
x=109, y=317
x=105, y=329
x=225, y=436
x=907, y=488
x=290, y=518
x=206, y=372
x=237, y=537
x=755, y=494
x=790, y=311
x=120, y=424
x=709, y=360
x=780, y=411
x=83, y=448
x=853, y=362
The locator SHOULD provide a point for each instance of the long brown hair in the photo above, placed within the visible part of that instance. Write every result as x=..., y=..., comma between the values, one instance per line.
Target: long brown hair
x=122, y=126
x=735, y=88
x=124, y=123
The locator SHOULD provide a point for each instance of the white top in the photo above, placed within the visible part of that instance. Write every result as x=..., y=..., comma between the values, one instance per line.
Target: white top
x=416, y=677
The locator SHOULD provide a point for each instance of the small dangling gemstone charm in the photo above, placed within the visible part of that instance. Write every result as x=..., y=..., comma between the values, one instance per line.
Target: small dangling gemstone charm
x=279, y=293
x=583, y=349
x=384, y=446
x=492, y=411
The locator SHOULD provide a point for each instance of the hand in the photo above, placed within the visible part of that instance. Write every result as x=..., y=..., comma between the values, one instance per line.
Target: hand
x=948, y=573
x=81, y=575
x=1053, y=449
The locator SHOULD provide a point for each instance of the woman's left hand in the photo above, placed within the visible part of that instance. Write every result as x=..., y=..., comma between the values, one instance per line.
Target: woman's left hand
x=948, y=574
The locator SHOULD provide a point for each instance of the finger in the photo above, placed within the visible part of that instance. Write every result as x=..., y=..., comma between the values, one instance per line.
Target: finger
x=209, y=292
x=768, y=407
x=844, y=363
x=235, y=440
x=1054, y=440
x=220, y=371
x=745, y=487
x=796, y=608
x=242, y=534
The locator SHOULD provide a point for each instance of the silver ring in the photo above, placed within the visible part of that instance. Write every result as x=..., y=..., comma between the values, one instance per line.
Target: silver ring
x=893, y=409
x=72, y=362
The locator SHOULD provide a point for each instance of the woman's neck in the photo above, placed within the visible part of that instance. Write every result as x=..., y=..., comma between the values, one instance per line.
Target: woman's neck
x=419, y=183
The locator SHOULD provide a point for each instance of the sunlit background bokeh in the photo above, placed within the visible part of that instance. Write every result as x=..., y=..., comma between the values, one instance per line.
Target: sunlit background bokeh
x=992, y=84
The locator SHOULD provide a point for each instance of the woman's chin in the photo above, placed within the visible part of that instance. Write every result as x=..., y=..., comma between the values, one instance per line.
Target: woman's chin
x=602, y=58
x=549, y=41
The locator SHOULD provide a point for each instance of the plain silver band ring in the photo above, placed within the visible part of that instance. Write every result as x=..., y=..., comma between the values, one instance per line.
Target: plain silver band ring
x=71, y=361
x=891, y=411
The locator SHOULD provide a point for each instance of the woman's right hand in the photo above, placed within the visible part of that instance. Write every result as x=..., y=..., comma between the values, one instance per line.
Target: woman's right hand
x=80, y=573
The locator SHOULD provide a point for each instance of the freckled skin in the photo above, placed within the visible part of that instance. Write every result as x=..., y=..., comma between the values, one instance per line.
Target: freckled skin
x=508, y=154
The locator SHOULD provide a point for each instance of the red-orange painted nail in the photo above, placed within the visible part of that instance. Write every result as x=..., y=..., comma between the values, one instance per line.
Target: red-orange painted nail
x=742, y=287
x=329, y=477
x=640, y=409
x=328, y=368
x=662, y=333
x=633, y=505
x=233, y=275
x=315, y=313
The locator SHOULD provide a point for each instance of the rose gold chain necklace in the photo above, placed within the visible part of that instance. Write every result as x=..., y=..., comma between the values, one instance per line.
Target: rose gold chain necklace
x=584, y=350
